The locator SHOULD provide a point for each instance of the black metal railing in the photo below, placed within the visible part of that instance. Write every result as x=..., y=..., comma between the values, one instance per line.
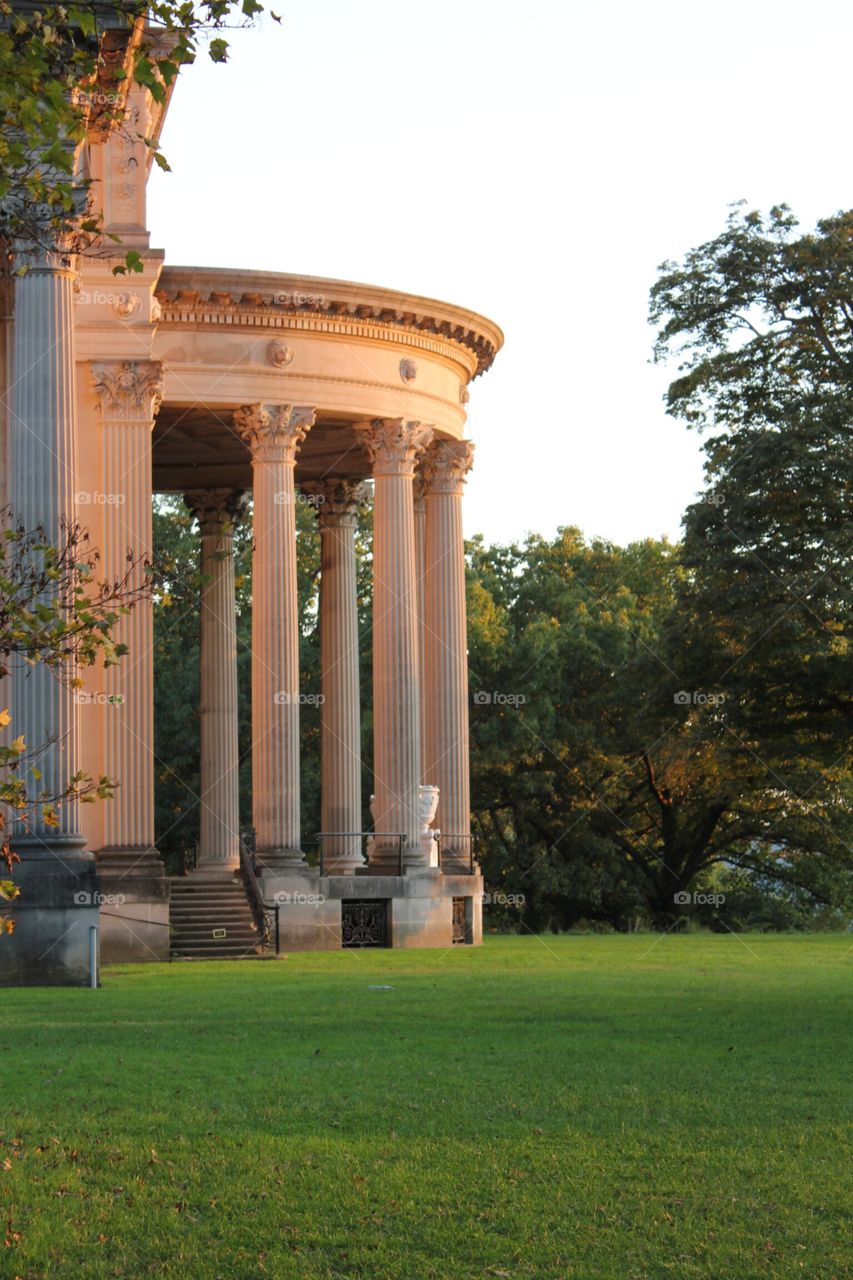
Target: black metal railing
x=362, y=837
x=459, y=848
x=189, y=858
x=264, y=916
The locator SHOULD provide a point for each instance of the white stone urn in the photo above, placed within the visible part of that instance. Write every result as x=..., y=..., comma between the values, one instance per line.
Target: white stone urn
x=429, y=804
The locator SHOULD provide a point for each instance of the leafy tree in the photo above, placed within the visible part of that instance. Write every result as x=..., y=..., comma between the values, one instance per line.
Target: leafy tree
x=761, y=319
x=603, y=788
x=65, y=70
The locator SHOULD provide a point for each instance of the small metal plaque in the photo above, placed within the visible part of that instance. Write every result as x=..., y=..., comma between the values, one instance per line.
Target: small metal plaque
x=220, y=933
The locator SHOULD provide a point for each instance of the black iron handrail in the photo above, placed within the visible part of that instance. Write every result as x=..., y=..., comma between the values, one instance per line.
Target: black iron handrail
x=189, y=858
x=454, y=844
x=254, y=893
x=361, y=836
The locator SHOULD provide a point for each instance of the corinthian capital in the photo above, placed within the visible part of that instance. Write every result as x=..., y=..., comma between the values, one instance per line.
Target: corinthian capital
x=393, y=444
x=217, y=510
x=446, y=464
x=336, y=501
x=273, y=432
x=129, y=390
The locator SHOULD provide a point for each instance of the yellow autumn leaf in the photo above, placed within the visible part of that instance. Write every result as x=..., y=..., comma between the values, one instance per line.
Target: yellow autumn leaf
x=5, y=719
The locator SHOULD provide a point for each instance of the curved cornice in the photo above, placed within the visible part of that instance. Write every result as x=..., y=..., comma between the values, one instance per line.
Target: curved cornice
x=214, y=295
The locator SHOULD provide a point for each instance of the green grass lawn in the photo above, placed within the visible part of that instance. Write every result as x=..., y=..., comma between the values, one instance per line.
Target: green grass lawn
x=592, y=1107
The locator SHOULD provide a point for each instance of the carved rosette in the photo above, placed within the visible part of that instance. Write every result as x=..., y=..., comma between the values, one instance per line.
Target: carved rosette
x=394, y=444
x=273, y=432
x=336, y=501
x=217, y=510
x=129, y=390
x=445, y=465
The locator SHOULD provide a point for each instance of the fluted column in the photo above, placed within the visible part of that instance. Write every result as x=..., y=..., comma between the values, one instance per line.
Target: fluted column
x=43, y=466
x=420, y=572
x=274, y=433
x=394, y=445
x=129, y=394
x=444, y=468
x=219, y=791
x=340, y=726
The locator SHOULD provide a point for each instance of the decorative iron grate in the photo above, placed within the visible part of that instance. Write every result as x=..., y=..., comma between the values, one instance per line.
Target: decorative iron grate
x=364, y=923
x=460, y=921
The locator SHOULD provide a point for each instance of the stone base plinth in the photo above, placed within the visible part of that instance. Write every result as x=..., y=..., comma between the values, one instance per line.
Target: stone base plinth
x=419, y=907
x=57, y=907
x=134, y=906
x=309, y=919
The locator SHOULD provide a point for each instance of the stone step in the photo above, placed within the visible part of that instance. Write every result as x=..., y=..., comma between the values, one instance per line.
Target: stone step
x=199, y=908
x=206, y=928
x=210, y=949
x=206, y=934
x=212, y=919
x=214, y=904
x=190, y=909
x=218, y=891
x=194, y=927
x=199, y=882
x=191, y=903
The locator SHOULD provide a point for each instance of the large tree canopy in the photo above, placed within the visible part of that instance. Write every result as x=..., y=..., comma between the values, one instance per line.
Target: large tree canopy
x=761, y=319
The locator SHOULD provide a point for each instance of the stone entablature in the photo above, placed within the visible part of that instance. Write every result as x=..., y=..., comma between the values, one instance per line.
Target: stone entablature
x=214, y=298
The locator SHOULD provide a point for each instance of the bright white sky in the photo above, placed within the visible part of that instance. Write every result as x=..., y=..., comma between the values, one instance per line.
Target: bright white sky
x=534, y=162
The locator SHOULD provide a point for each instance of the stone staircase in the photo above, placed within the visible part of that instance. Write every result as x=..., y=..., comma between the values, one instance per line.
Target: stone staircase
x=211, y=919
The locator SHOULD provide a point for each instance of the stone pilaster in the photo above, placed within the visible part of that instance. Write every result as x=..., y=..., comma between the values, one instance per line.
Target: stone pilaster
x=445, y=713
x=219, y=791
x=129, y=394
x=274, y=433
x=337, y=505
x=394, y=446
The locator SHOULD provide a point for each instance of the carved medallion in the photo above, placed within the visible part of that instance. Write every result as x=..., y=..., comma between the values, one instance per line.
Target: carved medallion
x=280, y=354
x=126, y=305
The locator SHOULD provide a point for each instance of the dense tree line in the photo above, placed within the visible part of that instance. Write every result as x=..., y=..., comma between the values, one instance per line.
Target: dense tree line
x=658, y=732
